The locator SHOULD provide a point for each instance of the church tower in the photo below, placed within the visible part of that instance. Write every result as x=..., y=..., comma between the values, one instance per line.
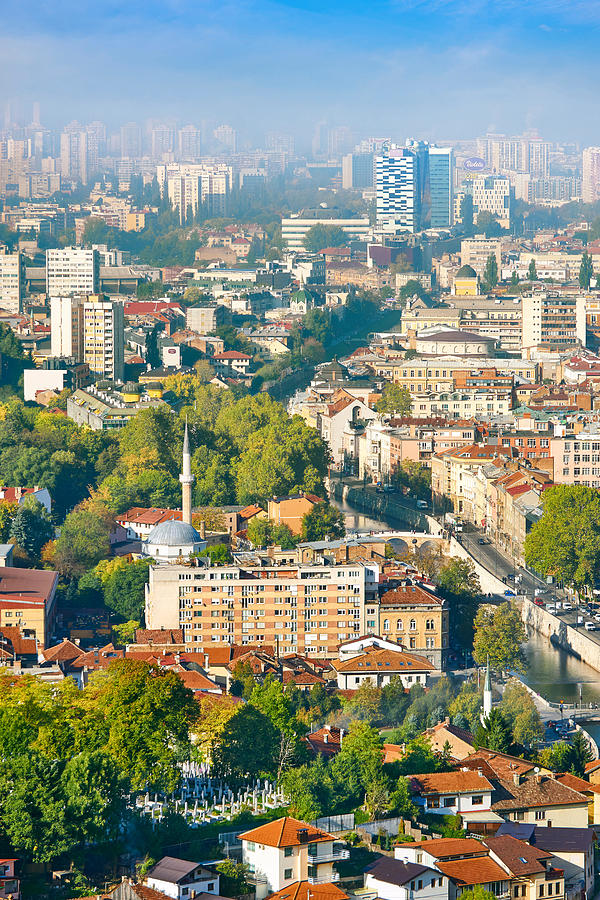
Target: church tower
x=187, y=479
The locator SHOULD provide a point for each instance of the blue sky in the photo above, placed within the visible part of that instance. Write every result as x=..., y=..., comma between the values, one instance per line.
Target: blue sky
x=428, y=68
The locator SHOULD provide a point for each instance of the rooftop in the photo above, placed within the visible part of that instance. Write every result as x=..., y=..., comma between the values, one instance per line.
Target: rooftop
x=286, y=832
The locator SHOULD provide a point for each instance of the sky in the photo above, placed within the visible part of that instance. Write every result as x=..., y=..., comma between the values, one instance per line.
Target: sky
x=431, y=69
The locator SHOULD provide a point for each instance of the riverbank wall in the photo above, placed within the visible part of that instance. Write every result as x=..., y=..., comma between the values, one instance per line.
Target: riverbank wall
x=559, y=633
x=381, y=506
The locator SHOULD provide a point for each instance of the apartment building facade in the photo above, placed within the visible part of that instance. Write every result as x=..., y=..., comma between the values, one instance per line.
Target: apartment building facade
x=71, y=271
x=417, y=619
x=577, y=458
x=553, y=320
x=463, y=404
x=300, y=608
x=419, y=375
x=103, y=337
x=12, y=280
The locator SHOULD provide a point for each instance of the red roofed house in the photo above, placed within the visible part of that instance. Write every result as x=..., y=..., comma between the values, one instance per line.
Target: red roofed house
x=18, y=494
x=335, y=419
x=380, y=666
x=139, y=521
x=283, y=852
x=452, y=793
x=231, y=363
x=27, y=599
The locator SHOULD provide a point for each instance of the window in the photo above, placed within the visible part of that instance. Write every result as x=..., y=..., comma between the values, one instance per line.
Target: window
x=386, y=624
x=539, y=815
x=477, y=799
x=210, y=886
x=413, y=625
x=449, y=801
x=433, y=802
x=541, y=891
x=250, y=845
x=287, y=874
x=289, y=851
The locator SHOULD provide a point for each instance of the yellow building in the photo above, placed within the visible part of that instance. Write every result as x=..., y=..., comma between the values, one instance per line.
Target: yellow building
x=466, y=282
x=27, y=599
x=416, y=619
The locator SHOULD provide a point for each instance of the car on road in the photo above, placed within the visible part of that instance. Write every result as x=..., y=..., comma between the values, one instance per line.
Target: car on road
x=590, y=626
x=510, y=593
x=539, y=602
x=422, y=504
x=567, y=607
x=483, y=540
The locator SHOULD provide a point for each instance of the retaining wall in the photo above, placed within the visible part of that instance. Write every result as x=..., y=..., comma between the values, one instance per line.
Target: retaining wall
x=489, y=583
x=571, y=639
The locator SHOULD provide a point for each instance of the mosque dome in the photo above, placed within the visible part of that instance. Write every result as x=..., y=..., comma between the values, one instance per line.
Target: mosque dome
x=173, y=533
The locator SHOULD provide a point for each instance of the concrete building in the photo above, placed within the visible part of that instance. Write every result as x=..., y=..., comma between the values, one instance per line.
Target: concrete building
x=358, y=171
x=293, y=230
x=205, y=319
x=103, y=337
x=72, y=270
x=414, y=186
x=191, y=186
x=590, y=188
x=27, y=599
x=12, y=280
x=491, y=193
x=66, y=327
x=106, y=409
x=475, y=252
x=418, y=620
x=301, y=608
x=553, y=321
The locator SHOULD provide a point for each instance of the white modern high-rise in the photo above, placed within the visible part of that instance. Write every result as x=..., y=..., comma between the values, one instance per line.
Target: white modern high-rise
x=414, y=186
x=74, y=161
x=227, y=136
x=590, y=188
x=66, y=331
x=12, y=280
x=103, y=337
x=72, y=270
x=491, y=193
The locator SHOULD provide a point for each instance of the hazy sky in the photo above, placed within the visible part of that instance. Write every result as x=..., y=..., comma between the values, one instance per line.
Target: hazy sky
x=430, y=68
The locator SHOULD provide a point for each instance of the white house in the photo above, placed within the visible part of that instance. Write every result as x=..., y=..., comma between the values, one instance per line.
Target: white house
x=336, y=418
x=380, y=666
x=452, y=793
x=396, y=879
x=357, y=646
x=286, y=851
x=182, y=879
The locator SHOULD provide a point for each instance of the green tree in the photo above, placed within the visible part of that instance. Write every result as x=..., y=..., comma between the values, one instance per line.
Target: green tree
x=494, y=733
x=586, y=271
x=31, y=528
x=490, y=273
x=234, y=877
x=8, y=511
x=565, y=541
x=124, y=589
x=310, y=789
x=94, y=792
x=532, y=271
x=477, y=893
x=125, y=633
x=323, y=521
x=467, y=705
x=247, y=745
x=558, y=757
x=219, y=554
x=499, y=637
x=259, y=532
x=401, y=799
x=582, y=753
x=395, y=400
x=514, y=280
x=528, y=728
x=83, y=540
x=459, y=584
x=320, y=236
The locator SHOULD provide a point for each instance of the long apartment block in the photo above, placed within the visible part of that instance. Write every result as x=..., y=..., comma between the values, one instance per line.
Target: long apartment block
x=298, y=608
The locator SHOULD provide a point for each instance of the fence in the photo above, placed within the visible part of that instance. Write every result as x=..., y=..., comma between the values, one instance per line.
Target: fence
x=333, y=824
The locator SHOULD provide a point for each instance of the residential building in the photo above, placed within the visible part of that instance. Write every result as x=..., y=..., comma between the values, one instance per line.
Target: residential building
x=306, y=890
x=465, y=404
x=131, y=141
x=577, y=458
x=540, y=799
x=66, y=327
x=19, y=494
x=417, y=619
x=491, y=193
x=28, y=599
x=12, y=280
x=193, y=186
x=72, y=270
x=301, y=608
x=452, y=793
x=460, y=741
x=337, y=419
x=231, y=363
x=590, y=188
x=294, y=229
x=205, y=319
x=553, y=321
x=451, y=472
x=441, y=177
x=182, y=879
x=379, y=666
x=10, y=885
x=475, y=252
x=287, y=851
x=103, y=337
x=291, y=510
x=420, y=374
x=104, y=408
x=189, y=141
x=394, y=879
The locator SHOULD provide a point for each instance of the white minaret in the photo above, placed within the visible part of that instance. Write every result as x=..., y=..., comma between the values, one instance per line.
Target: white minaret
x=187, y=479
x=487, y=694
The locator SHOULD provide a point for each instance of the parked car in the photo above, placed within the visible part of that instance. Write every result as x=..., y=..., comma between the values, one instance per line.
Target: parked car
x=567, y=607
x=539, y=602
x=483, y=540
x=422, y=504
x=590, y=626
x=510, y=593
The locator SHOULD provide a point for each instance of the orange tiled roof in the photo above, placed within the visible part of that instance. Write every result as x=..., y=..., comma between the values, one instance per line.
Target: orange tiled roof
x=284, y=833
x=477, y=870
x=302, y=890
x=442, y=848
x=376, y=660
x=451, y=782
x=63, y=652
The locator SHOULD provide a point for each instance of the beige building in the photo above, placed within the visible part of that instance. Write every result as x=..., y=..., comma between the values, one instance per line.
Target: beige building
x=12, y=280
x=419, y=375
x=28, y=599
x=491, y=193
x=300, y=608
x=554, y=321
x=416, y=619
x=475, y=252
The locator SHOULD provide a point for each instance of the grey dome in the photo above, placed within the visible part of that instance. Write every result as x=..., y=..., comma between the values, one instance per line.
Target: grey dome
x=173, y=533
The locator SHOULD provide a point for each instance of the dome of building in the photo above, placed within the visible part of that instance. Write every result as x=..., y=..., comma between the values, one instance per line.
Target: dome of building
x=173, y=533
x=466, y=272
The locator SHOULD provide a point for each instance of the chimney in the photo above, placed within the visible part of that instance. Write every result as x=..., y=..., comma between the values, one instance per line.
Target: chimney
x=447, y=720
x=480, y=772
x=516, y=778
x=325, y=738
x=206, y=663
x=538, y=777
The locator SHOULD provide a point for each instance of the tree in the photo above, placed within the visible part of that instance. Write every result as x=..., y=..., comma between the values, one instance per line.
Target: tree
x=459, y=584
x=514, y=280
x=219, y=554
x=309, y=789
x=558, y=757
x=395, y=400
x=586, y=270
x=499, y=636
x=565, y=541
x=490, y=273
x=83, y=540
x=125, y=633
x=377, y=799
x=320, y=236
x=528, y=728
x=8, y=511
x=94, y=796
x=323, y=521
x=31, y=528
x=259, y=532
x=494, y=733
x=247, y=746
x=235, y=877
x=124, y=590
x=582, y=753
x=467, y=704
x=401, y=800
x=477, y=893
x=531, y=271
x=365, y=704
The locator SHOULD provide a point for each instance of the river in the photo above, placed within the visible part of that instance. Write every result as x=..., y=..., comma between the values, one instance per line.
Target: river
x=551, y=671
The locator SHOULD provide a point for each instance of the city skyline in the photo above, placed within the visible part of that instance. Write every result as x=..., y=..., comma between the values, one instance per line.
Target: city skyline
x=437, y=70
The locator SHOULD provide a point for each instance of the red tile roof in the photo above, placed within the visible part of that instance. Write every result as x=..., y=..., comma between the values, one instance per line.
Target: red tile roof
x=450, y=783
x=477, y=870
x=443, y=848
x=63, y=652
x=284, y=833
x=376, y=660
x=302, y=890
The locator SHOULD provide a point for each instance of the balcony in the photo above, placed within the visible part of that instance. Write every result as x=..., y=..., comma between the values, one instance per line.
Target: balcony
x=324, y=856
x=323, y=879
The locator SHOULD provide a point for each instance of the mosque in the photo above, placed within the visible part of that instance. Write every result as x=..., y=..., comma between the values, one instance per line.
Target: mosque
x=176, y=539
